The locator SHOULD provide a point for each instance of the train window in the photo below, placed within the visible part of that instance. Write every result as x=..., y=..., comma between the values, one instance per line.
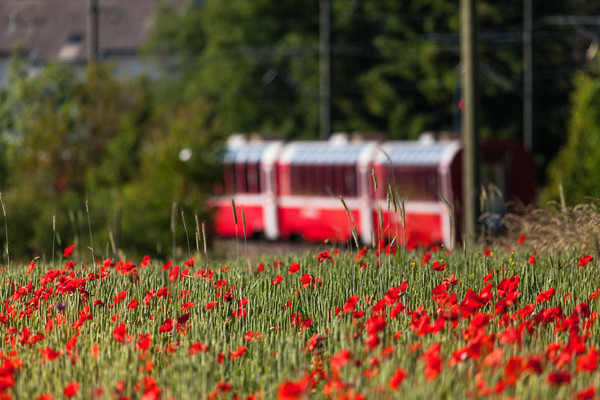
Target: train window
x=252, y=177
x=229, y=179
x=413, y=183
x=242, y=178
x=324, y=180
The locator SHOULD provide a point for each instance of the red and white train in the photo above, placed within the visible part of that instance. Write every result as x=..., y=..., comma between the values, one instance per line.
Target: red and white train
x=292, y=189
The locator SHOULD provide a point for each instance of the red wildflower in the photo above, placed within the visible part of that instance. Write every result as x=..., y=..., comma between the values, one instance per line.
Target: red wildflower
x=324, y=255
x=49, y=354
x=594, y=295
x=133, y=304
x=198, y=347
x=186, y=306
x=438, y=267
x=190, y=262
x=350, y=304
x=589, y=393
x=210, y=305
x=31, y=267
x=294, y=267
x=238, y=353
x=531, y=260
x=294, y=390
x=397, y=379
x=426, y=258
x=120, y=332
x=69, y=251
x=558, y=378
x=340, y=359
x=166, y=326
x=277, y=280
x=375, y=324
x=488, y=277
x=545, y=296
x=183, y=318
x=120, y=297
x=144, y=342
x=584, y=260
x=521, y=239
x=433, y=362
x=174, y=273
x=487, y=252
x=588, y=362
x=71, y=389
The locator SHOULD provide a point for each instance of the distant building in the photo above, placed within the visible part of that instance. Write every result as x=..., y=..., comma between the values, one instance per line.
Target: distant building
x=58, y=30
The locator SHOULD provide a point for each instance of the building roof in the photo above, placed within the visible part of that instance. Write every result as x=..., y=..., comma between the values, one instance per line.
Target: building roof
x=56, y=29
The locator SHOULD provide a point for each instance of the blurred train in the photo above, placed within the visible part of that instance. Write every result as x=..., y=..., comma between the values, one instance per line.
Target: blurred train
x=390, y=189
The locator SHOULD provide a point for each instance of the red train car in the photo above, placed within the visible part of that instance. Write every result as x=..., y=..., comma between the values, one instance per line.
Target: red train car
x=294, y=189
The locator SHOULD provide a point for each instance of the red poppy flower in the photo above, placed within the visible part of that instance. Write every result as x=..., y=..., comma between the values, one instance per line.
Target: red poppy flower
x=531, y=260
x=71, y=389
x=433, y=362
x=69, y=251
x=589, y=361
x=198, y=347
x=397, y=379
x=294, y=267
x=350, y=304
x=544, y=296
x=559, y=378
x=31, y=267
x=120, y=297
x=144, y=342
x=186, y=306
x=210, y=305
x=174, y=273
x=324, y=255
x=120, y=333
x=337, y=361
x=584, y=260
x=277, y=280
x=238, y=353
x=183, y=318
x=589, y=393
x=166, y=326
x=133, y=304
x=521, y=239
x=438, y=267
x=294, y=390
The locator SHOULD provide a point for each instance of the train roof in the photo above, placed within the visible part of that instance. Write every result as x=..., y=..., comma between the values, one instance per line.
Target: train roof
x=248, y=151
x=417, y=153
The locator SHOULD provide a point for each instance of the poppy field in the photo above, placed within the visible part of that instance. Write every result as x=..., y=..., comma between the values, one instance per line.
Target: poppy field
x=379, y=323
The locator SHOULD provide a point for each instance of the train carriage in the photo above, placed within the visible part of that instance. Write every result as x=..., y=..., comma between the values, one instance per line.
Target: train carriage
x=323, y=190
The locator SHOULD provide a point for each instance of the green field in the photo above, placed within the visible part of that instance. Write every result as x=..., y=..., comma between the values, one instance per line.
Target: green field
x=334, y=324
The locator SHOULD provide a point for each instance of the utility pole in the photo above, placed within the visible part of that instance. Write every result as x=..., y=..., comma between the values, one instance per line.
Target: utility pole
x=92, y=30
x=324, y=68
x=527, y=75
x=469, y=121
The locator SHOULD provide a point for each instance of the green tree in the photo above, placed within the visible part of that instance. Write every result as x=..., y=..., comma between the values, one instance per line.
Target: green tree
x=579, y=159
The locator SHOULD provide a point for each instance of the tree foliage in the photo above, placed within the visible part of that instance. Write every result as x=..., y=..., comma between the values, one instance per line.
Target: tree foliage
x=89, y=149
x=579, y=160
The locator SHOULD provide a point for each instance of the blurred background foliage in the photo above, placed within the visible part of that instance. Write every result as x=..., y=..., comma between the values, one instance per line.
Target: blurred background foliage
x=133, y=147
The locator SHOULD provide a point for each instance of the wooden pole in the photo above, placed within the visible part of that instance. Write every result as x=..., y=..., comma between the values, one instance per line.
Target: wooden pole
x=324, y=69
x=469, y=122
